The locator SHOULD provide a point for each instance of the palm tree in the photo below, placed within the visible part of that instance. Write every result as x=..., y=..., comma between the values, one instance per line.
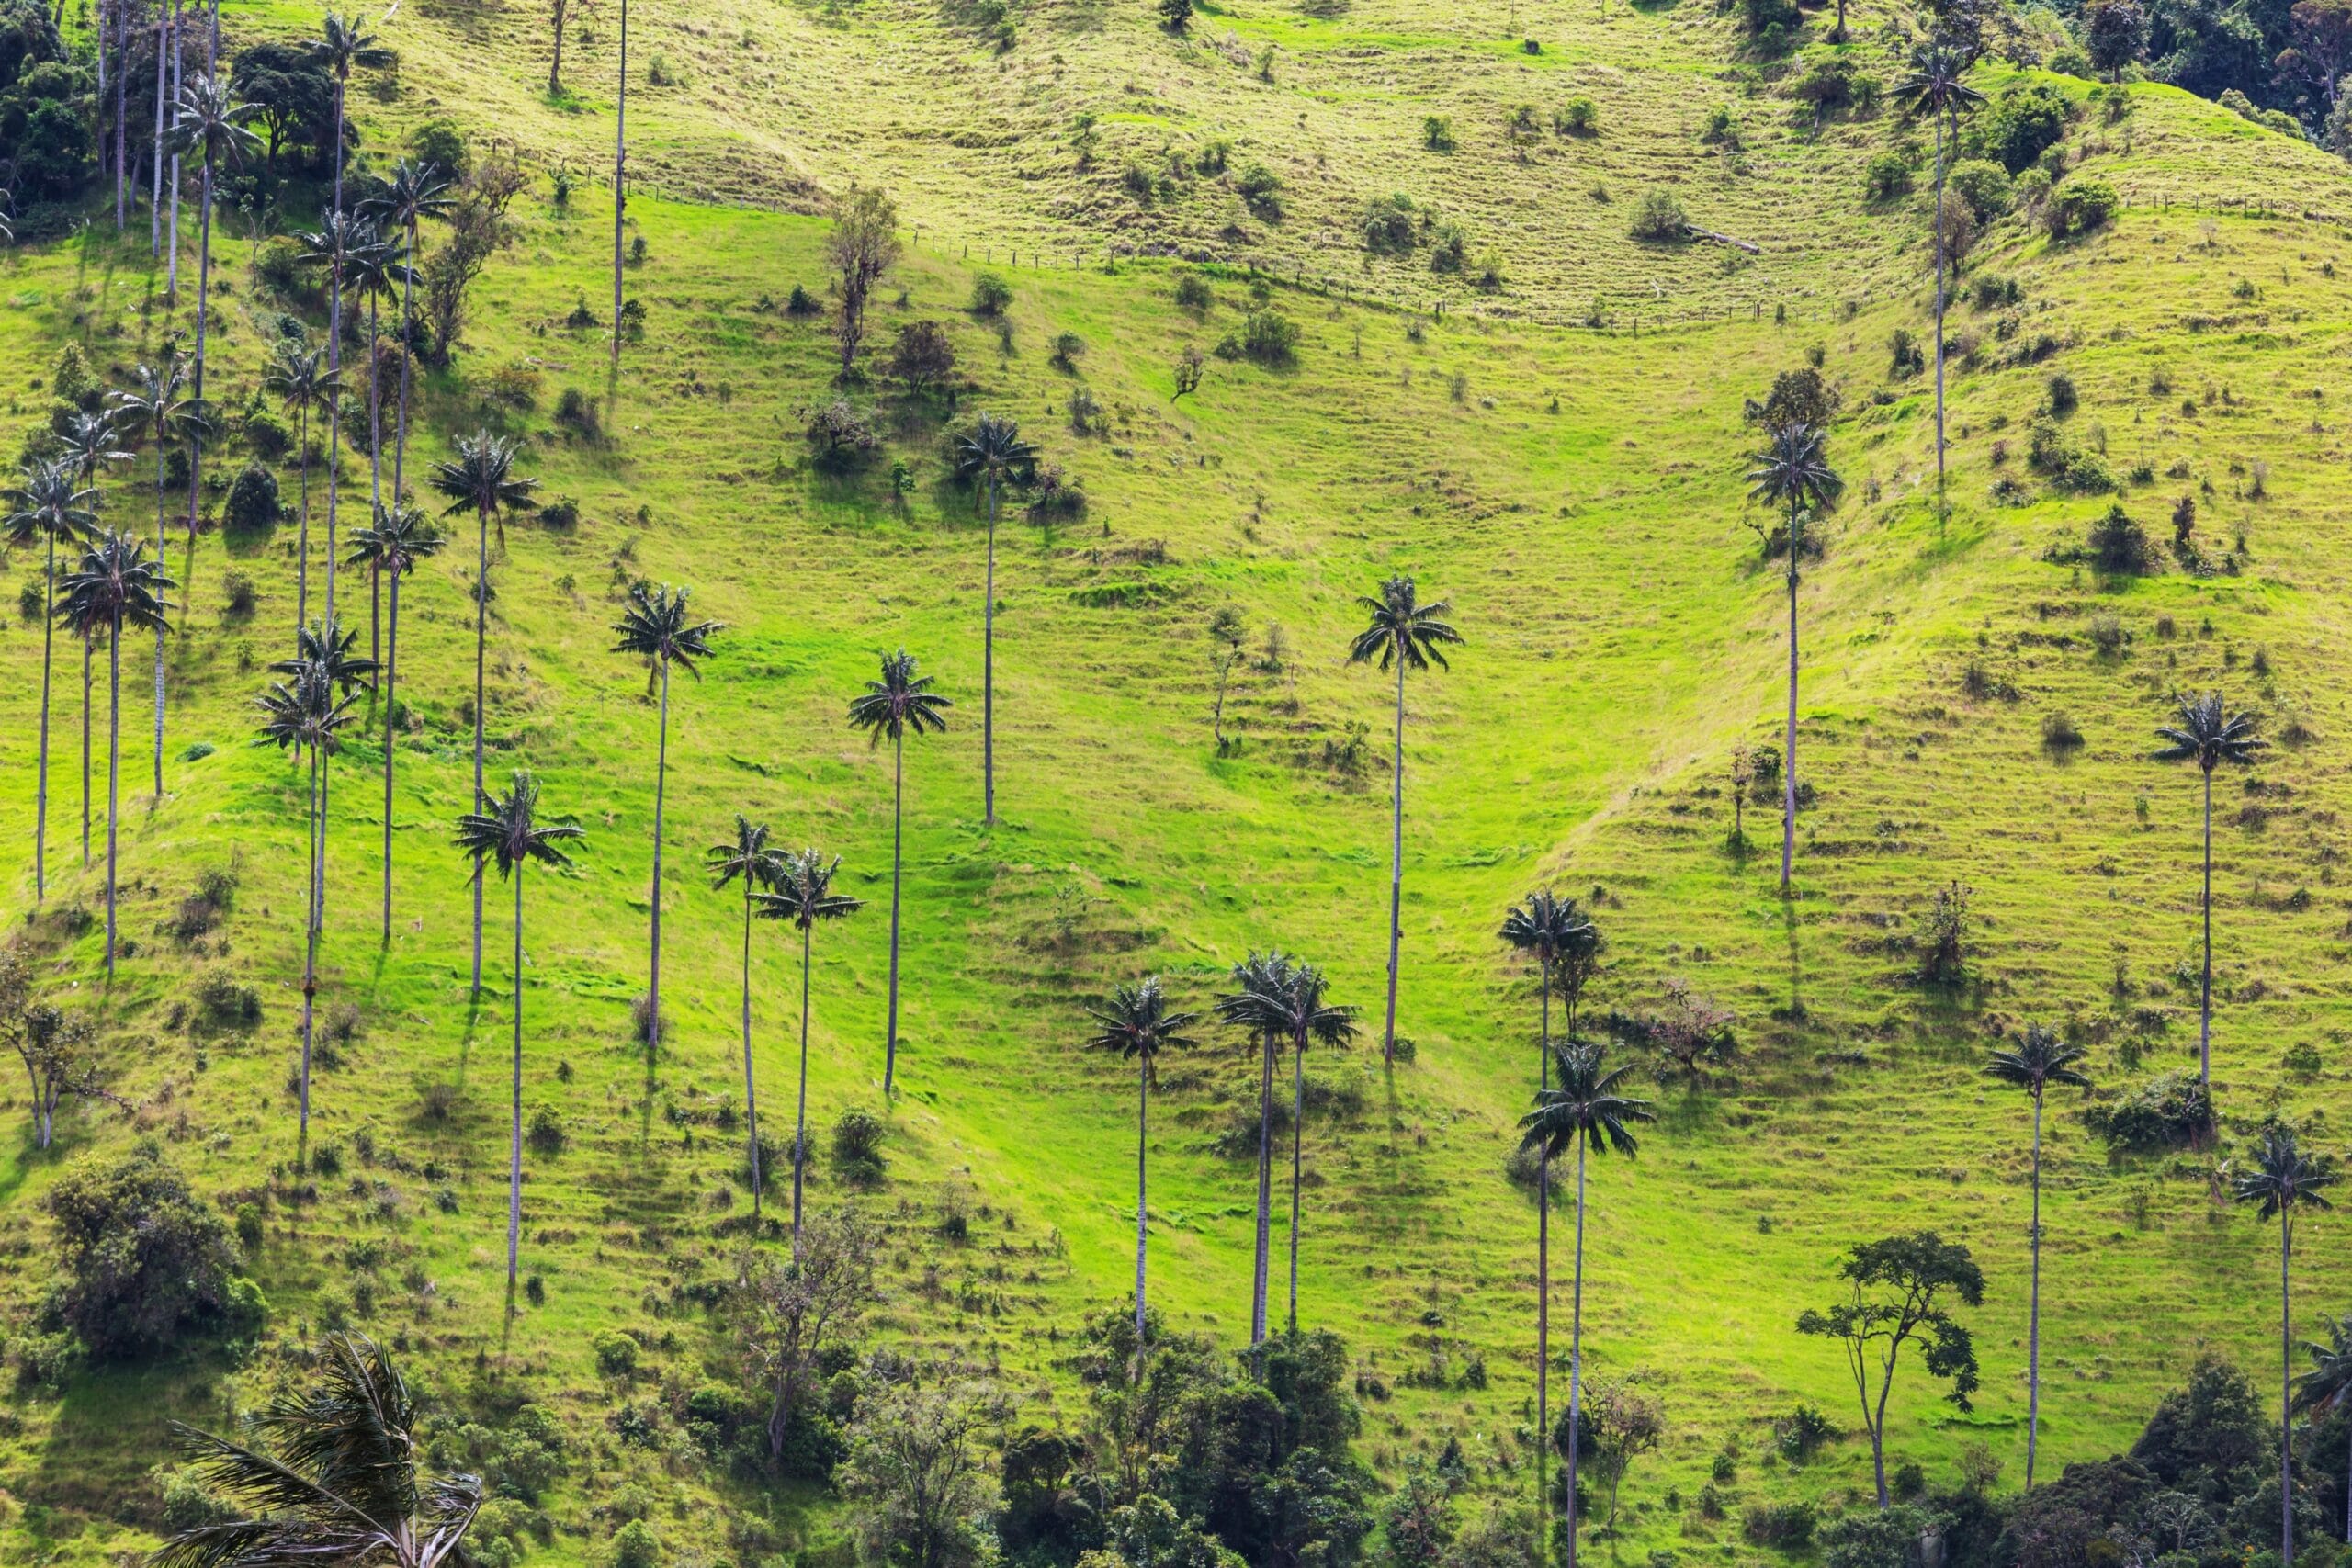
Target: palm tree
x=994, y=453
x=803, y=894
x=750, y=859
x=620, y=184
x=507, y=831
x=2281, y=1180
x=1138, y=1025
x=324, y=649
x=376, y=271
x=2328, y=1386
x=2039, y=1060
x=343, y=1485
x=343, y=45
x=1260, y=974
x=50, y=508
x=1411, y=636
x=2208, y=735
x=307, y=715
x=208, y=124
x=1548, y=928
x=415, y=191
x=338, y=242
x=1292, y=1008
x=1794, y=472
x=304, y=385
x=153, y=410
x=900, y=701
x=655, y=628
x=86, y=444
x=1937, y=86
x=1588, y=1112
x=482, y=479
x=115, y=586
x=400, y=538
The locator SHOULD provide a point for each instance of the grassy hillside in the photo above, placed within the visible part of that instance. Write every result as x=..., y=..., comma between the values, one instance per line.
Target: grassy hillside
x=1577, y=496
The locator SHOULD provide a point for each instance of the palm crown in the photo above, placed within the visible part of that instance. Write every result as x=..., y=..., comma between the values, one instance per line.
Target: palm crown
x=2328, y=1385
x=2208, y=736
x=483, y=478
x=1936, y=81
x=1139, y=1023
x=305, y=715
x=1403, y=628
x=50, y=506
x=1547, y=927
x=377, y=264
x=396, y=541
x=2040, y=1059
x=900, y=701
x=1794, y=472
x=654, y=625
x=344, y=43
x=337, y=242
x=994, y=450
x=208, y=124
x=116, y=585
x=1278, y=996
x=150, y=408
x=507, y=831
x=748, y=856
x=415, y=191
x=302, y=380
x=324, y=649
x=1586, y=1108
x=90, y=440
x=803, y=892
x=2283, y=1178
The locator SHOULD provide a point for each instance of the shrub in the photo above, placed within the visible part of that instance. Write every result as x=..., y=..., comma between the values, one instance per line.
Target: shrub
x=1262, y=188
x=2058, y=733
x=2167, y=1111
x=1270, y=338
x=221, y=1003
x=266, y=435
x=253, y=500
x=1192, y=293
x=1873, y=1537
x=1886, y=176
x=561, y=514
x=2080, y=206
x=142, y=1260
x=2063, y=400
x=922, y=357
x=1450, y=248
x=1982, y=185
x=1943, y=936
x=238, y=594
x=857, y=1147
x=576, y=413
x=440, y=142
x=616, y=1353
x=1069, y=349
x=1799, y=1432
x=991, y=295
x=1437, y=133
x=2108, y=635
x=1904, y=356
x=634, y=1544
x=1578, y=116
x=801, y=302
x=1389, y=227
x=842, y=438
x=2018, y=126
x=2119, y=546
x=1659, y=217
x=546, y=1135
x=1785, y=1526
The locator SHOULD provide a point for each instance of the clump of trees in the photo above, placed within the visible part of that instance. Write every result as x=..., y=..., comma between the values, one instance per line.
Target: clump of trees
x=142, y=1263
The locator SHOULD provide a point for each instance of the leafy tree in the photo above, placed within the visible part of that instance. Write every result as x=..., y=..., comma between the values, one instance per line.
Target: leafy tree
x=51, y=508
x=292, y=95
x=900, y=702
x=1794, y=472
x=1588, y=1112
x=800, y=891
x=53, y=1045
x=1412, y=636
x=2039, y=1060
x=916, y=1477
x=2281, y=1179
x=1901, y=1291
x=152, y=410
x=475, y=211
x=506, y=832
x=2115, y=34
x=1620, y=1424
x=115, y=586
x=1260, y=974
x=992, y=453
x=747, y=859
x=864, y=244
x=2319, y=50
x=390, y=548
x=1138, y=1025
x=1420, y=1519
x=342, y=1485
x=1175, y=14
x=1227, y=633
x=657, y=627
x=1692, y=1035
x=2327, y=1388
x=481, y=480
x=1937, y=87
x=2208, y=735
x=142, y=1258
x=922, y=357
x=791, y=1314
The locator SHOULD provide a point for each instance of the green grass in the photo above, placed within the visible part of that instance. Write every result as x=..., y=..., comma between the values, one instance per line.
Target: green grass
x=1579, y=503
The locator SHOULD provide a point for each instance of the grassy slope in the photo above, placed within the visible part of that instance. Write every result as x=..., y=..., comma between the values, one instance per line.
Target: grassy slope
x=1621, y=636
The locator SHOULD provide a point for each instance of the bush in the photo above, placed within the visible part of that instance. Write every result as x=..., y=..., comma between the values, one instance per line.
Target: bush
x=922, y=357
x=1437, y=133
x=1450, y=248
x=1270, y=338
x=2119, y=546
x=2018, y=126
x=991, y=295
x=221, y=1003
x=1786, y=1526
x=1659, y=217
x=2080, y=206
x=253, y=500
x=842, y=438
x=2167, y=1111
x=576, y=412
x=1262, y=188
x=801, y=302
x=1943, y=937
x=1799, y=1433
x=1578, y=116
x=1982, y=185
x=440, y=142
x=1192, y=293
x=547, y=1136
x=2058, y=733
x=636, y=1546
x=857, y=1147
x=1873, y=1537
x=144, y=1261
x=616, y=1353
x=1886, y=176
x=1389, y=227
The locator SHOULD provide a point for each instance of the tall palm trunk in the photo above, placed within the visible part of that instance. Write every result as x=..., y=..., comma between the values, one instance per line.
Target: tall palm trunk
x=1576, y=1359
x=800, y=1112
x=751, y=1096
x=1939, y=308
x=988, y=672
x=161, y=554
x=114, y=772
x=1297, y=1130
x=897, y=840
x=375, y=482
x=391, y=692
x=2033, y=1309
x=172, y=228
x=89, y=652
x=621, y=183
x=1789, y=769
x=514, y=1139
x=2205, y=985
x=1395, y=872
x=121, y=104
x=302, y=525
x=155, y=179
x=2286, y=1394
x=482, y=635
x=40, y=780
x=203, y=315
x=1143, y=1209
x=334, y=394
x=661, y=780
x=309, y=955
x=1265, y=1187
x=400, y=422
x=1544, y=1286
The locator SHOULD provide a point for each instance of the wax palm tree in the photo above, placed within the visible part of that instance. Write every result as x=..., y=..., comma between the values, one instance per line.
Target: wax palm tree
x=342, y=1484
x=483, y=480
x=1794, y=472
x=2040, y=1059
x=1937, y=86
x=749, y=859
x=1138, y=1025
x=1589, y=1113
x=656, y=628
x=337, y=246
x=2281, y=1180
x=1260, y=974
x=415, y=191
x=507, y=832
x=2208, y=736
x=306, y=713
x=1289, y=1004
x=304, y=386
x=152, y=410
x=210, y=125
x=803, y=894
x=376, y=271
x=1411, y=636
x=390, y=548
x=621, y=183
x=49, y=507
x=995, y=455
x=86, y=444
x=324, y=649
x=2328, y=1386
x=900, y=702
x=343, y=45
x=115, y=586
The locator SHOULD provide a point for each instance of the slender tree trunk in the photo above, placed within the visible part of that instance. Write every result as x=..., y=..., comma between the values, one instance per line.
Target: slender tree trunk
x=1543, y=1283
x=751, y=1095
x=1939, y=310
x=161, y=554
x=1876, y=1419
x=1395, y=873
x=335, y=396
x=2205, y=985
x=89, y=652
x=898, y=843
x=482, y=635
x=309, y=957
x=302, y=525
x=988, y=673
x=2033, y=1311
x=1789, y=769
x=391, y=695
x=660, y=780
x=400, y=423
x=155, y=181
x=514, y=1138
x=554, y=67
x=1297, y=1132
x=172, y=228
x=2286, y=1396
x=1143, y=1150
x=114, y=766
x=122, y=106
x=374, y=484
x=1576, y=1359
x=621, y=183
x=40, y=781
x=800, y=1110
x=203, y=314
x=1265, y=1185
